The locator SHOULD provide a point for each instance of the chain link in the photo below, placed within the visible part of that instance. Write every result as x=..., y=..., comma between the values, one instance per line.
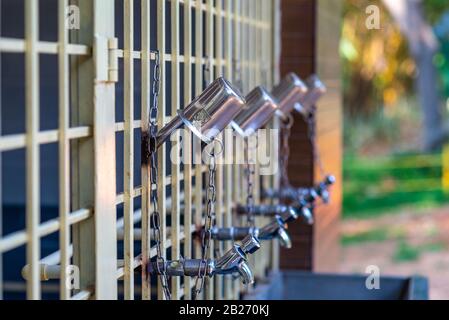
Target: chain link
x=207, y=72
x=211, y=197
x=155, y=216
x=250, y=172
x=311, y=132
x=285, y=150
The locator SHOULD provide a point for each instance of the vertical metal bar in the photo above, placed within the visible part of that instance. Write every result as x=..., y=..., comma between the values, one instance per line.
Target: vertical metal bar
x=93, y=185
x=209, y=288
x=262, y=74
x=1, y=168
x=104, y=146
x=64, y=164
x=161, y=121
x=187, y=143
x=245, y=84
x=275, y=77
x=242, y=44
x=82, y=154
x=128, y=155
x=252, y=56
x=219, y=207
x=227, y=219
x=210, y=39
x=32, y=147
x=237, y=47
x=175, y=169
x=197, y=148
x=104, y=163
x=236, y=39
x=145, y=170
x=218, y=39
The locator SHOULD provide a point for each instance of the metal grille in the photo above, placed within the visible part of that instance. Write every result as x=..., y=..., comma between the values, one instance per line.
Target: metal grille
x=103, y=223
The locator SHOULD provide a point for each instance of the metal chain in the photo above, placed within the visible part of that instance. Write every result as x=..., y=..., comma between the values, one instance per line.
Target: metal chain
x=285, y=150
x=155, y=216
x=250, y=172
x=311, y=132
x=207, y=72
x=211, y=195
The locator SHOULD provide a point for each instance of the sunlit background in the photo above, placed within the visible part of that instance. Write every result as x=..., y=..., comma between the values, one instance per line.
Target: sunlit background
x=396, y=164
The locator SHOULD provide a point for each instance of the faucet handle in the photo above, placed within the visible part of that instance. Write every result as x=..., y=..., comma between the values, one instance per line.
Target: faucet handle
x=307, y=215
x=322, y=188
x=245, y=273
x=325, y=196
x=289, y=214
x=284, y=238
x=309, y=196
x=329, y=180
x=250, y=244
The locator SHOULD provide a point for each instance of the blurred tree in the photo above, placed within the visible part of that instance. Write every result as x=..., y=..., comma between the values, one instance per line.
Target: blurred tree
x=380, y=66
x=377, y=67
x=435, y=9
x=410, y=17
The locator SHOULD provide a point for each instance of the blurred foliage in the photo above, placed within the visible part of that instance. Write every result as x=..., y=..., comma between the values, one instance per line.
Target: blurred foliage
x=377, y=185
x=377, y=67
x=379, y=234
x=441, y=59
x=406, y=252
x=382, y=114
x=385, y=131
x=435, y=9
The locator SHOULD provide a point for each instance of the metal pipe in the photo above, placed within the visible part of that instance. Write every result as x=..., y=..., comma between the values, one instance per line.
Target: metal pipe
x=259, y=108
x=233, y=261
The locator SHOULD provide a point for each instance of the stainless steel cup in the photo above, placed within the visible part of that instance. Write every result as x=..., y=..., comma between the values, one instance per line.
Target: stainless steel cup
x=208, y=114
x=259, y=108
x=316, y=90
x=289, y=94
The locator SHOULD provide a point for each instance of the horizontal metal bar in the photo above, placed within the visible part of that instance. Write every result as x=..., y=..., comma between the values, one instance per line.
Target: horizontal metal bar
x=138, y=232
x=19, y=238
x=16, y=286
x=120, y=126
x=120, y=197
x=18, y=141
x=167, y=181
x=19, y=45
x=153, y=253
x=242, y=19
x=82, y=295
x=55, y=257
x=168, y=57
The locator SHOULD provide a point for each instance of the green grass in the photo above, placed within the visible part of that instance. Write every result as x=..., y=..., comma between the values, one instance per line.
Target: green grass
x=406, y=252
x=374, y=186
x=373, y=235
